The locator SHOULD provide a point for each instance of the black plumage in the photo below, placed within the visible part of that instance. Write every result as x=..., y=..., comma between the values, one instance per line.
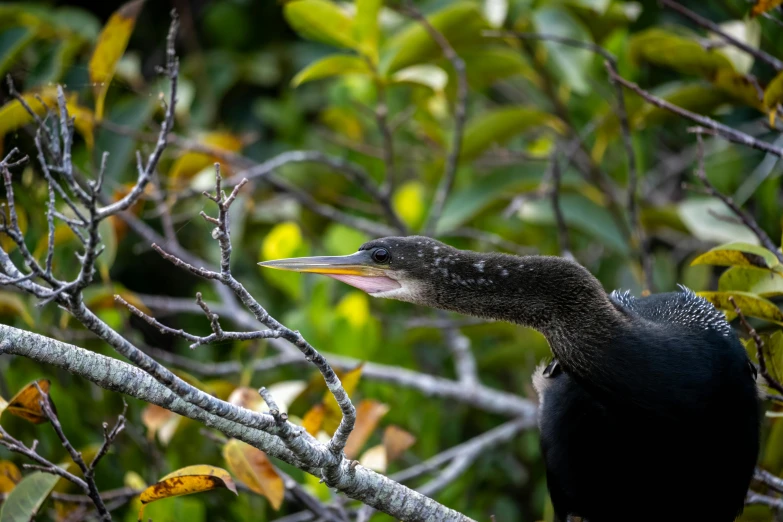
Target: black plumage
x=649, y=409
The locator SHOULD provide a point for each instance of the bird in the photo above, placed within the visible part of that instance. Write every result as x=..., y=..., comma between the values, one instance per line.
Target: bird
x=648, y=409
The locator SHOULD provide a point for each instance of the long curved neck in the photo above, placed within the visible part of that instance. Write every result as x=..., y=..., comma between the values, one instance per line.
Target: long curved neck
x=553, y=295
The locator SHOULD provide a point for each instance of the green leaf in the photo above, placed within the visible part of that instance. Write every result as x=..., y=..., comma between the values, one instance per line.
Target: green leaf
x=12, y=42
x=332, y=65
x=51, y=65
x=485, y=66
x=109, y=240
x=496, y=11
x=701, y=98
x=760, y=281
x=747, y=31
x=579, y=213
x=571, y=63
x=365, y=29
x=321, y=21
x=667, y=49
x=461, y=23
x=132, y=113
x=430, y=76
x=466, y=202
x=738, y=254
x=26, y=498
x=703, y=219
x=499, y=125
x=12, y=304
x=750, y=304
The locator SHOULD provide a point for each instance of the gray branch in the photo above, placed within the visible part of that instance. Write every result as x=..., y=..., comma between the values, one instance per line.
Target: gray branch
x=112, y=374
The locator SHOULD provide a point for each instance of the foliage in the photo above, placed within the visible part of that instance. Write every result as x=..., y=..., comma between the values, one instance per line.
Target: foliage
x=261, y=78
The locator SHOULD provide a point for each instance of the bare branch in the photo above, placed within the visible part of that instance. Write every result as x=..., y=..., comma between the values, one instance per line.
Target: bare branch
x=764, y=500
x=710, y=125
x=357, y=482
x=89, y=486
x=44, y=465
x=562, y=230
x=145, y=173
x=196, y=340
x=464, y=360
x=769, y=479
x=743, y=216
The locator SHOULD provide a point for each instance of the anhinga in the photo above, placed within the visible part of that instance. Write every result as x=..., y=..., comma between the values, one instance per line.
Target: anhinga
x=649, y=410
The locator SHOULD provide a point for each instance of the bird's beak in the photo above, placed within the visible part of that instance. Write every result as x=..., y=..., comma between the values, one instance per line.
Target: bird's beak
x=357, y=270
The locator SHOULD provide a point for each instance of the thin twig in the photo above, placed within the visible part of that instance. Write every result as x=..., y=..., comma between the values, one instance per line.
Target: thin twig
x=145, y=172
x=460, y=114
x=711, y=126
x=771, y=381
x=562, y=230
x=743, y=216
x=633, y=179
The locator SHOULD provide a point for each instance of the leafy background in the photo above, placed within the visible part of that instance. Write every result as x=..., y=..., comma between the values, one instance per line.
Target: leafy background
x=263, y=78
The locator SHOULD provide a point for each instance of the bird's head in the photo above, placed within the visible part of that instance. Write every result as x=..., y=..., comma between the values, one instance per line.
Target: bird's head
x=399, y=268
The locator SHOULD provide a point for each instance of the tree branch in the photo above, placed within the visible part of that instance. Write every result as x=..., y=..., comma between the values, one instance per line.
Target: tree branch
x=715, y=28
x=711, y=126
x=358, y=482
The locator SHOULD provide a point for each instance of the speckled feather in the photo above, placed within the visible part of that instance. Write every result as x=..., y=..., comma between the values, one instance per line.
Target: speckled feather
x=684, y=308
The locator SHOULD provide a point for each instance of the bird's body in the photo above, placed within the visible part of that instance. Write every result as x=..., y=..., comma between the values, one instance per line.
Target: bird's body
x=675, y=440
x=649, y=412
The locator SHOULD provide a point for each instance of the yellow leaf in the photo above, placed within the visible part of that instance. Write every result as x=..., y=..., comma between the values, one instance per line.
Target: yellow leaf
x=762, y=6
x=25, y=404
x=9, y=476
x=62, y=235
x=285, y=393
x=246, y=397
x=408, y=201
x=368, y=414
x=109, y=49
x=396, y=440
x=313, y=419
x=251, y=466
x=190, y=163
x=161, y=422
x=12, y=304
x=133, y=480
x=13, y=115
x=282, y=241
x=191, y=479
x=374, y=458
x=84, y=120
x=773, y=94
x=6, y=484
x=333, y=415
x=344, y=122
x=6, y=243
x=9, y=470
x=738, y=254
x=750, y=304
x=355, y=308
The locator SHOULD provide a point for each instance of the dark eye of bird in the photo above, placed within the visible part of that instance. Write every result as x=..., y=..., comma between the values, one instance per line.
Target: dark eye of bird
x=381, y=255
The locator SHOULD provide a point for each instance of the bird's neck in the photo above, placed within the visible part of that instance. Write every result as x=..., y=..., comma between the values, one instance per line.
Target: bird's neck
x=553, y=295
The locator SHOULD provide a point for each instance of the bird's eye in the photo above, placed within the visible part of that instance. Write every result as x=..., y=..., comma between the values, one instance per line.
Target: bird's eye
x=381, y=255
